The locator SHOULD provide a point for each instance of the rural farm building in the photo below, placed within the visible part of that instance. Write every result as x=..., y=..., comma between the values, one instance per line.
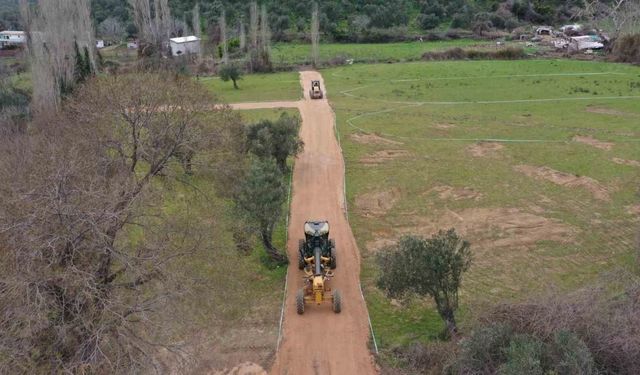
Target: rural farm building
x=12, y=38
x=579, y=43
x=185, y=45
x=544, y=31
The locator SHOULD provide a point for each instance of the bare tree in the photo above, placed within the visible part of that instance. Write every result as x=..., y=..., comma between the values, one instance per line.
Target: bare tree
x=223, y=37
x=153, y=31
x=253, y=25
x=242, y=37
x=76, y=292
x=265, y=33
x=197, y=27
x=622, y=15
x=111, y=28
x=54, y=28
x=315, y=35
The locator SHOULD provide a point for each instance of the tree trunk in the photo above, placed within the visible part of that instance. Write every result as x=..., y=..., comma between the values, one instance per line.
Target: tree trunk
x=235, y=85
x=271, y=250
x=282, y=164
x=450, y=321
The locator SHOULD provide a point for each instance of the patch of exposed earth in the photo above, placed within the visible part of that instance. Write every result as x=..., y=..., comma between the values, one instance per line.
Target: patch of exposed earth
x=369, y=138
x=485, y=149
x=633, y=210
x=446, y=192
x=444, y=126
x=631, y=163
x=488, y=228
x=377, y=203
x=383, y=156
x=246, y=368
x=608, y=111
x=566, y=179
x=588, y=140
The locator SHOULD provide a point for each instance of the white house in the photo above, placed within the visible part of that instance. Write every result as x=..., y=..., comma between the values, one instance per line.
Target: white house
x=184, y=45
x=9, y=38
x=99, y=44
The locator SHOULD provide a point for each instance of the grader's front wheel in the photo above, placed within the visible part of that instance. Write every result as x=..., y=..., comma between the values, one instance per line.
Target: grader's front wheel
x=337, y=301
x=300, y=302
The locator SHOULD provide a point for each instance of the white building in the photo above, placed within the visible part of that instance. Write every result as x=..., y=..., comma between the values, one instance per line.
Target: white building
x=99, y=44
x=9, y=38
x=184, y=45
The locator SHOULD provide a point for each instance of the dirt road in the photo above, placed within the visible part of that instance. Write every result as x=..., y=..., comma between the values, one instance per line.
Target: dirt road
x=320, y=341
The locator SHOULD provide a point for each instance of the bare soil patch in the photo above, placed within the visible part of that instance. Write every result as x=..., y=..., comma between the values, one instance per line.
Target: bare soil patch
x=489, y=228
x=631, y=163
x=485, y=149
x=446, y=192
x=384, y=156
x=246, y=368
x=608, y=111
x=588, y=140
x=444, y=126
x=566, y=179
x=373, y=139
x=634, y=210
x=377, y=203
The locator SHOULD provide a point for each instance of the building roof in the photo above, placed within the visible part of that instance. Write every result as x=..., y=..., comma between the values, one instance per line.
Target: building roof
x=9, y=32
x=185, y=39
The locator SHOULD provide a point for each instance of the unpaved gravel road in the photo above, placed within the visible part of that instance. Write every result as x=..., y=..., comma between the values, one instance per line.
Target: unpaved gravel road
x=320, y=341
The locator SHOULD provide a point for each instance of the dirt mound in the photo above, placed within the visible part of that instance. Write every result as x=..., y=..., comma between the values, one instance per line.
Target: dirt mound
x=377, y=203
x=246, y=368
x=373, y=139
x=446, y=192
x=608, y=111
x=485, y=149
x=489, y=228
x=384, y=156
x=566, y=179
x=631, y=163
x=588, y=140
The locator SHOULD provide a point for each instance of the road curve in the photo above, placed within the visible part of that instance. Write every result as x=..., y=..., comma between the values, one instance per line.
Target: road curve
x=320, y=341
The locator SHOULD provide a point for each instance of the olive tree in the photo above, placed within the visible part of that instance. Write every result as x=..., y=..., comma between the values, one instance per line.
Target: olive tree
x=230, y=72
x=427, y=267
x=277, y=139
x=261, y=198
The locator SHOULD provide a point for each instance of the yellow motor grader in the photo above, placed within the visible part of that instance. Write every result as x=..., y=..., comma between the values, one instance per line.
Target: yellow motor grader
x=318, y=269
x=315, y=92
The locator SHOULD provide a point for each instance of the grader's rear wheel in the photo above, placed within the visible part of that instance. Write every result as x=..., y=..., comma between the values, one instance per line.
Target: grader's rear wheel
x=337, y=301
x=300, y=302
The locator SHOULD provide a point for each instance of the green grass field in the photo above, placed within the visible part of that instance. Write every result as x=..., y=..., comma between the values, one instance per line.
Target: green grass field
x=490, y=148
x=293, y=53
x=256, y=88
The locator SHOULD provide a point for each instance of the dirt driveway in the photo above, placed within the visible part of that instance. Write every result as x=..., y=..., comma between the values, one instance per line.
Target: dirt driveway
x=321, y=342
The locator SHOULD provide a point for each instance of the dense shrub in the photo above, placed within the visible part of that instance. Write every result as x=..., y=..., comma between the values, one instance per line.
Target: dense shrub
x=603, y=317
x=523, y=356
x=483, y=352
x=627, y=49
x=509, y=53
